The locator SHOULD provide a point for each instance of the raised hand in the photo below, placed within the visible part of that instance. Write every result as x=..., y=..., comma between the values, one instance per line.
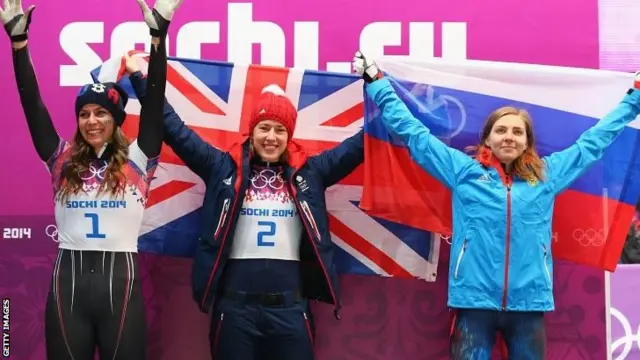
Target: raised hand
x=159, y=18
x=362, y=67
x=130, y=63
x=15, y=20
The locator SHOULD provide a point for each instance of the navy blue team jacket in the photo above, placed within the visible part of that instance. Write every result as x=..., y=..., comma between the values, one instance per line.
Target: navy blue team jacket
x=226, y=176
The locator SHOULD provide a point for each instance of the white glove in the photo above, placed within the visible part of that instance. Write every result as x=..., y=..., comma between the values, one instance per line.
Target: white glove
x=14, y=19
x=368, y=71
x=159, y=18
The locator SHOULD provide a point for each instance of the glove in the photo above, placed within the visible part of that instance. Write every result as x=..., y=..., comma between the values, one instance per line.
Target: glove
x=636, y=81
x=159, y=18
x=361, y=66
x=14, y=19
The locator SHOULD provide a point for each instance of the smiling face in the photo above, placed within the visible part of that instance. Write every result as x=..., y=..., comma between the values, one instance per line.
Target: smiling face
x=508, y=133
x=269, y=140
x=96, y=125
x=508, y=138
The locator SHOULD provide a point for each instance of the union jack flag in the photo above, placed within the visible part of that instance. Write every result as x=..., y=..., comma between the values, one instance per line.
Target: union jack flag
x=215, y=100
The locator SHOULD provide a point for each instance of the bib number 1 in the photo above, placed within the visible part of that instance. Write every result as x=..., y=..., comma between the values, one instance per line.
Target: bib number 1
x=271, y=231
x=95, y=227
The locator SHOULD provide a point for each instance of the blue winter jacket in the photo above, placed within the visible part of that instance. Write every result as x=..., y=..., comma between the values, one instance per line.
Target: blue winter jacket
x=500, y=258
x=226, y=176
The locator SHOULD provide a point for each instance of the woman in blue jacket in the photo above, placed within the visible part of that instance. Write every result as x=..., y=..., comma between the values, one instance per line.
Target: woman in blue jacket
x=500, y=274
x=265, y=247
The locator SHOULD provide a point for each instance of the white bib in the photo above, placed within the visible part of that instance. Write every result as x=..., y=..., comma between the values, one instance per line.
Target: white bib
x=88, y=221
x=269, y=226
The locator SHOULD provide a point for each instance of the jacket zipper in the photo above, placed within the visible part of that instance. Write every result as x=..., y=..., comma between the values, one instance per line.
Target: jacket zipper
x=312, y=221
x=546, y=268
x=508, y=243
x=217, y=337
x=464, y=248
x=308, y=326
x=313, y=243
x=223, y=216
x=215, y=265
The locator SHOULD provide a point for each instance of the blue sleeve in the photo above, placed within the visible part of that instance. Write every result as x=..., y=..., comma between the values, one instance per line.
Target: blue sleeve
x=566, y=166
x=439, y=160
x=199, y=156
x=335, y=164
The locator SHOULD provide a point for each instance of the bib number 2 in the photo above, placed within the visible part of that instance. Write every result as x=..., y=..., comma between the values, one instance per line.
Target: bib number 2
x=95, y=227
x=271, y=231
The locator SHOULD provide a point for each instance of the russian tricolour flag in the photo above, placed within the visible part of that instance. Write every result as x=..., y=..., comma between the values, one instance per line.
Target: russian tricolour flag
x=453, y=99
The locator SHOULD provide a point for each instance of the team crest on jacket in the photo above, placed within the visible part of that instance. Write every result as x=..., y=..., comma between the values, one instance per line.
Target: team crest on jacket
x=302, y=183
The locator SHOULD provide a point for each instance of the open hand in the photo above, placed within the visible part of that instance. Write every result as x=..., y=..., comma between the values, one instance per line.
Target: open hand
x=159, y=18
x=15, y=20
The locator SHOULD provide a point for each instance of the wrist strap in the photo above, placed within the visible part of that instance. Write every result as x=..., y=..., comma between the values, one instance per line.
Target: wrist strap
x=18, y=38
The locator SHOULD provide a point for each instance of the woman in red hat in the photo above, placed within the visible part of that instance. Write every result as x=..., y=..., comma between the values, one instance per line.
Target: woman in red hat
x=265, y=248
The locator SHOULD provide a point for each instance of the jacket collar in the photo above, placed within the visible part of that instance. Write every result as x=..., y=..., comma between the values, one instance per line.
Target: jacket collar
x=487, y=159
x=104, y=154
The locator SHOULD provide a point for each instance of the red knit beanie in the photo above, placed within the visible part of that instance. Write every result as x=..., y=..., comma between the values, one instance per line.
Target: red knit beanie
x=274, y=105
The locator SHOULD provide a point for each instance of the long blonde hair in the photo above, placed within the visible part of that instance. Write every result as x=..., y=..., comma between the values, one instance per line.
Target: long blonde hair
x=114, y=180
x=529, y=165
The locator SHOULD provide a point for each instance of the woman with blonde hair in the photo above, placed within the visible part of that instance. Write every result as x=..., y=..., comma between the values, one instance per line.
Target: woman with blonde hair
x=100, y=182
x=500, y=274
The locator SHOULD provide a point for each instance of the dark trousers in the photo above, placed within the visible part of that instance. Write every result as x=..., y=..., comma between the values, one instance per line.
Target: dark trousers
x=95, y=300
x=262, y=327
x=474, y=334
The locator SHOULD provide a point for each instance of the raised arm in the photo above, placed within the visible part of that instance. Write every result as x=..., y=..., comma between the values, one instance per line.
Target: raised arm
x=43, y=133
x=565, y=166
x=441, y=161
x=151, y=128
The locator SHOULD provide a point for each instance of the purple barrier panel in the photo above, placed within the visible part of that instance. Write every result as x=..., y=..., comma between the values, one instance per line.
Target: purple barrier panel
x=625, y=313
x=382, y=318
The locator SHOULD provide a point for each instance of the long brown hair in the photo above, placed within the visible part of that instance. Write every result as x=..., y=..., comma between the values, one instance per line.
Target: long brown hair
x=80, y=159
x=528, y=166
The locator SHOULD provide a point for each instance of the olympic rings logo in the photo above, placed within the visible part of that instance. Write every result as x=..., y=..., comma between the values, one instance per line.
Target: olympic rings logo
x=52, y=232
x=446, y=238
x=589, y=237
x=626, y=341
x=92, y=172
x=267, y=177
